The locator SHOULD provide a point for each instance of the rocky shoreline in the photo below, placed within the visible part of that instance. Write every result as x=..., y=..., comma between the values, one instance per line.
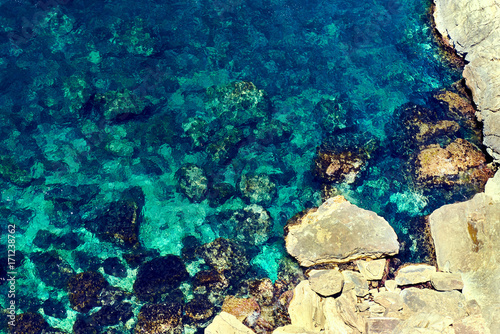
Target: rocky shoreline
x=459, y=294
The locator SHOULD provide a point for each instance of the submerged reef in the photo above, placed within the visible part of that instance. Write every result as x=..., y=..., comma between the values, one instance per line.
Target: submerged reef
x=152, y=154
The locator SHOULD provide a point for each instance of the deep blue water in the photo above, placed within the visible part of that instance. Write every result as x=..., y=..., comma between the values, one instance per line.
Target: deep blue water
x=59, y=63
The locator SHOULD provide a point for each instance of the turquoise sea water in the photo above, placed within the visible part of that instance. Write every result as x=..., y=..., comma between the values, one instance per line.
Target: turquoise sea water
x=99, y=97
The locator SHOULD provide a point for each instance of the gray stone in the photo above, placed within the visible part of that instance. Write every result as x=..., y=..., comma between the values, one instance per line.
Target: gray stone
x=415, y=274
x=338, y=232
x=326, y=282
x=356, y=281
x=446, y=303
x=381, y=325
x=390, y=300
x=447, y=281
x=428, y=323
x=474, y=324
x=372, y=270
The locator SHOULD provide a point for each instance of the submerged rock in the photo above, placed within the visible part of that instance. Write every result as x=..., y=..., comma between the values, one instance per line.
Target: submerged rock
x=459, y=163
x=29, y=323
x=84, y=290
x=193, y=182
x=338, y=167
x=52, y=268
x=159, y=319
x=12, y=172
x=337, y=232
x=257, y=189
x=158, y=277
x=238, y=103
x=225, y=256
x=252, y=224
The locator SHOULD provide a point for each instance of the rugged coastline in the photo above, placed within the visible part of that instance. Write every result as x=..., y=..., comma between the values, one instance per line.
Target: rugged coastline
x=465, y=234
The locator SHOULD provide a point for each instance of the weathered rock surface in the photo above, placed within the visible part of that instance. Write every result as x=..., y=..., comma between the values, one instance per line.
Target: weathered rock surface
x=326, y=282
x=447, y=303
x=447, y=281
x=467, y=240
x=471, y=28
x=458, y=163
x=337, y=232
x=372, y=270
x=415, y=274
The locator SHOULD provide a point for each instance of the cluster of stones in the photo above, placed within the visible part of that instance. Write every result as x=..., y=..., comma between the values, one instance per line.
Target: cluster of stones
x=347, y=253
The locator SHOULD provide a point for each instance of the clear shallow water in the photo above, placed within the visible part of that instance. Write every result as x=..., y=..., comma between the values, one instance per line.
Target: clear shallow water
x=370, y=57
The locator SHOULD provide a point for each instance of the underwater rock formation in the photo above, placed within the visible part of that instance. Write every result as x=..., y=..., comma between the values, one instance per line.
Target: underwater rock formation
x=338, y=167
x=193, y=182
x=337, y=232
x=252, y=224
x=225, y=256
x=459, y=163
x=257, y=189
x=85, y=289
x=470, y=28
x=159, y=319
x=159, y=277
x=467, y=241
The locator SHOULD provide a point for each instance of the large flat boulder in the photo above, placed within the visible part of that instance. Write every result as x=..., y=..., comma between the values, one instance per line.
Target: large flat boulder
x=467, y=241
x=338, y=232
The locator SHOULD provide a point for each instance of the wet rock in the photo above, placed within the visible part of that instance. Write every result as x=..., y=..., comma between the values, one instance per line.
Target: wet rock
x=458, y=163
x=84, y=290
x=459, y=107
x=238, y=103
x=198, y=311
x=159, y=319
x=339, y=232
x=110, y=315
x=257, y=189
x=225, y=256
x=466, y=237
x=447, y=281
x=225, y=323
x=12, y=172
x=120, y=106
x=332, y=114
x=158, y=277
x=252, y=224
x=120, y=148
x=212, y=283
x=84, y=325
x=29, y=323
x=85, y=261
x=112, y=266
x=420, y=125
x=119, y=223
x=241, y=308
x=262, y=291
x=225, y=145
x=415, y=274
x=272, y=132
x=338, y=167
x=52, y=269
x=193, y=182
x=219, y=193
x=54, y=309
x=326, y=282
